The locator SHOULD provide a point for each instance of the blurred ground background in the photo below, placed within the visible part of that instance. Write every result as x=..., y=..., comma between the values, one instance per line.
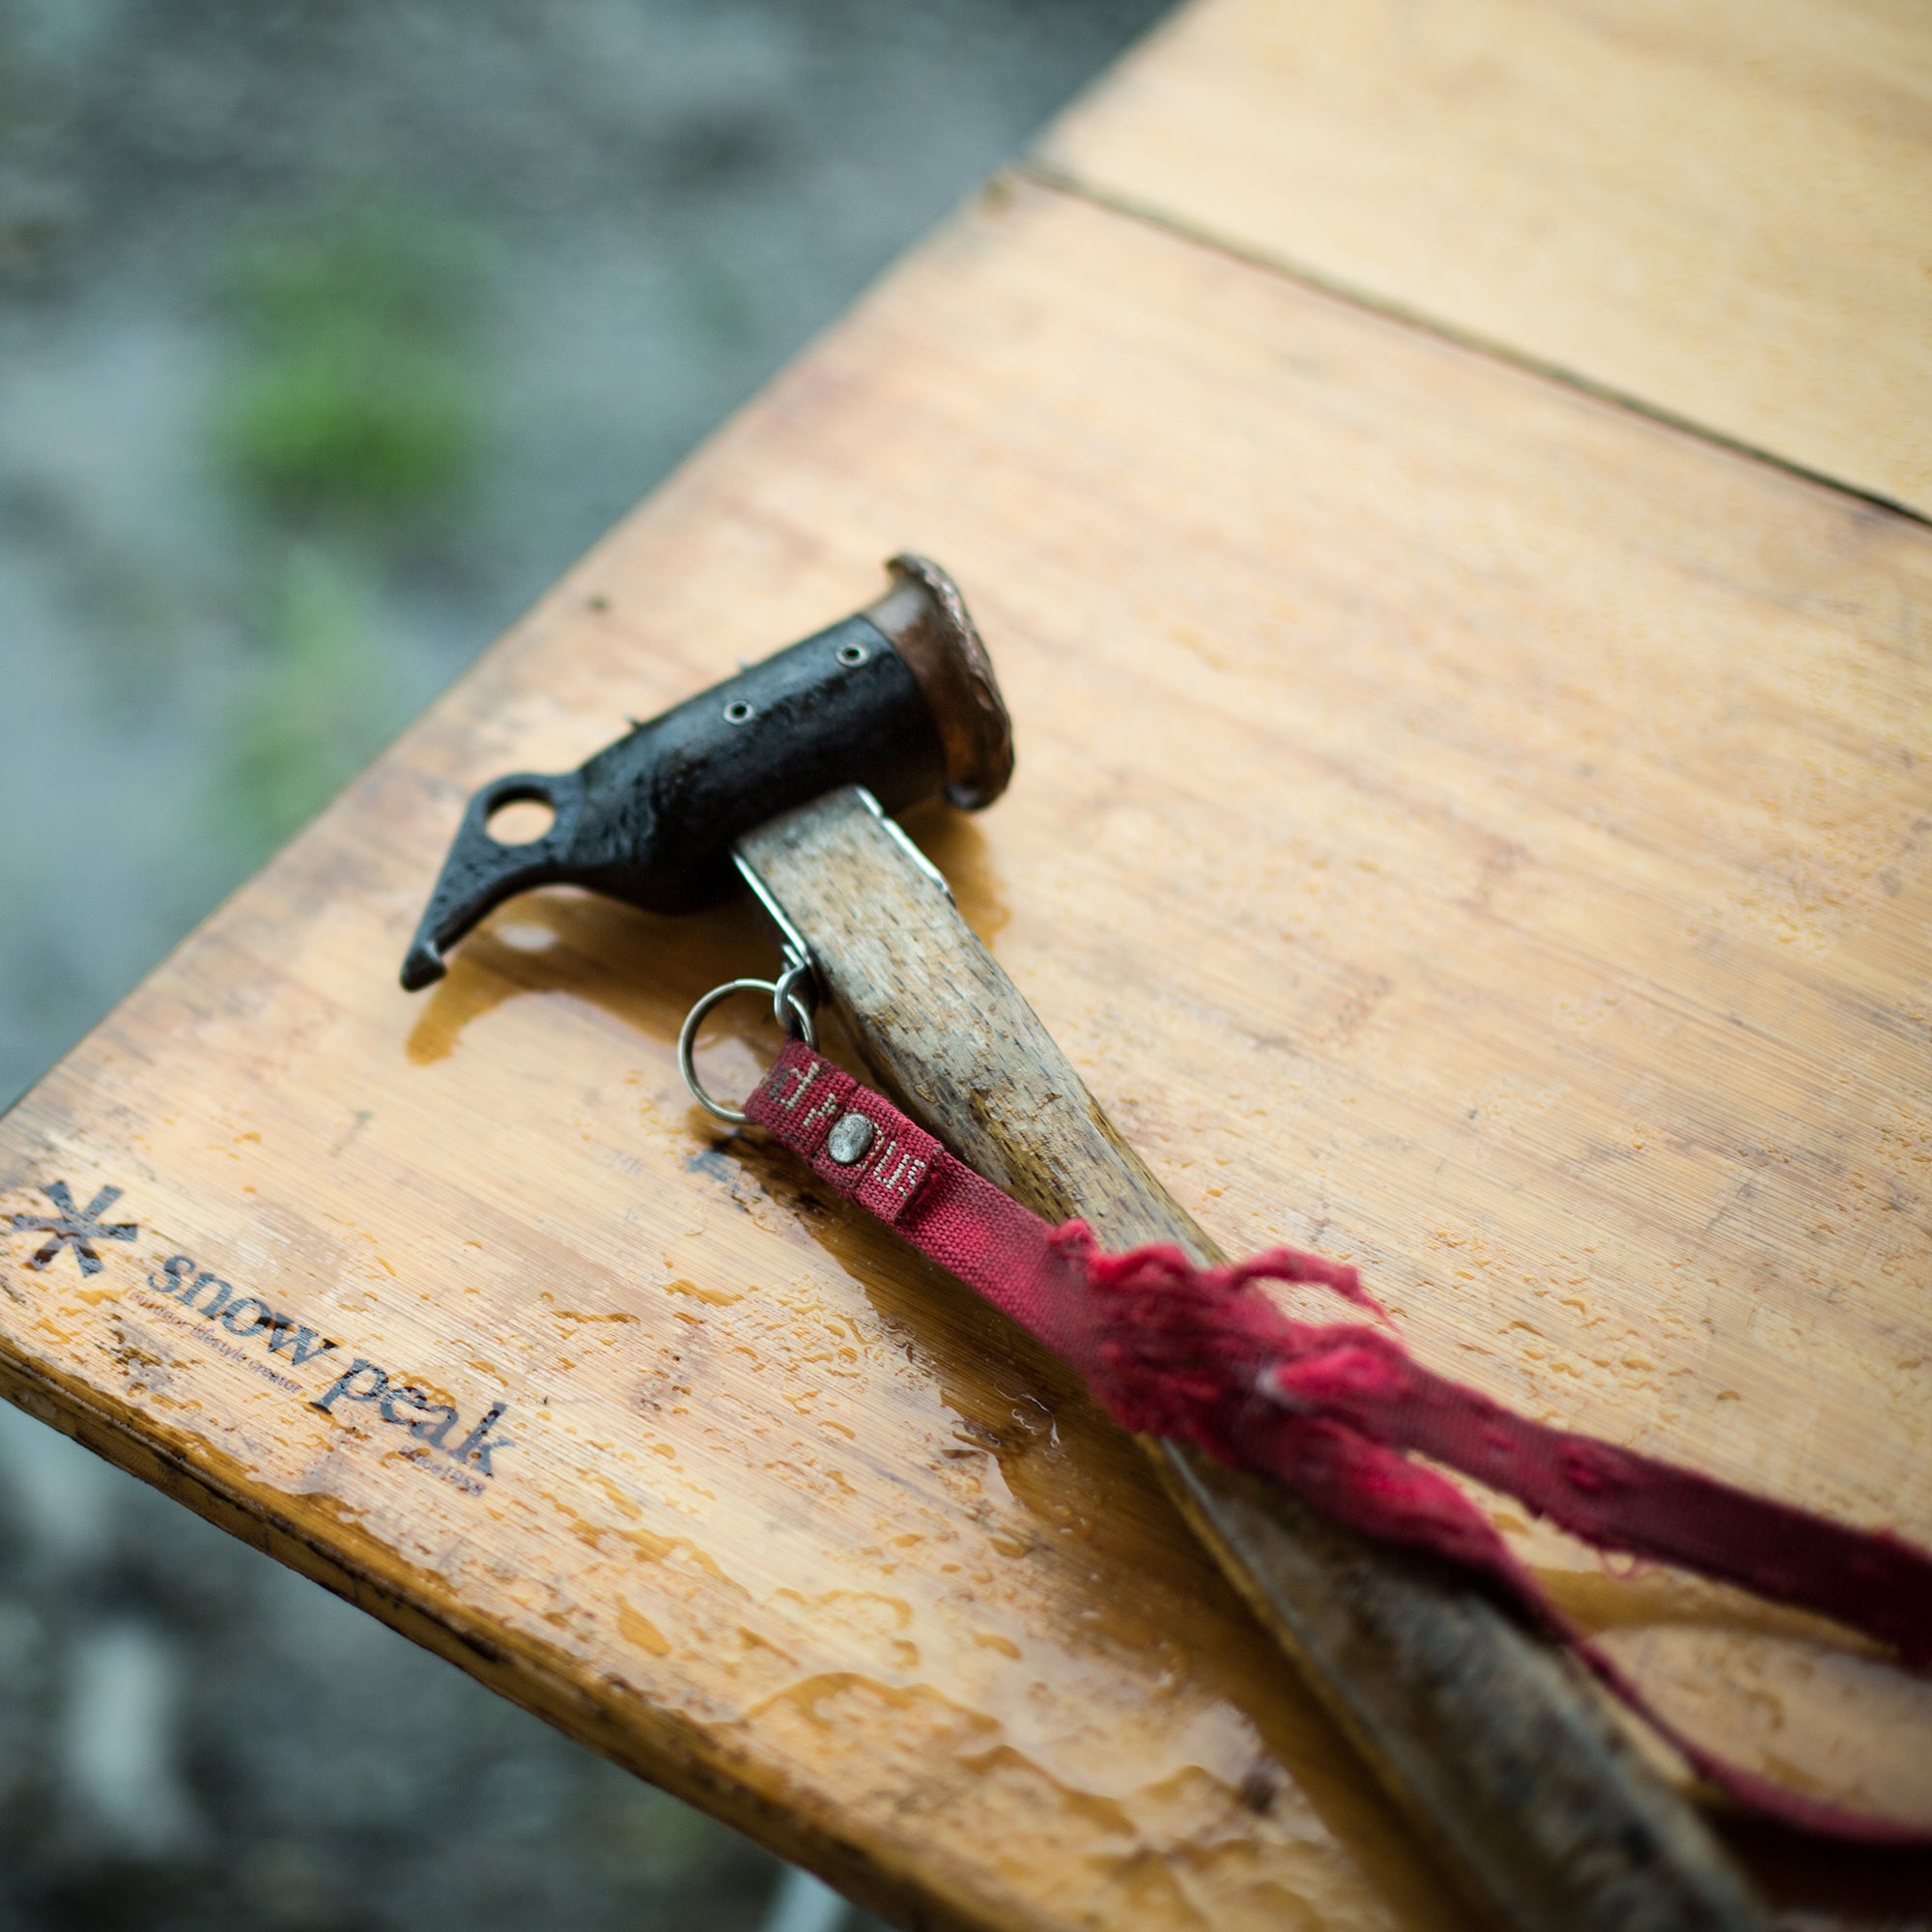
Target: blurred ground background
x=330, y=335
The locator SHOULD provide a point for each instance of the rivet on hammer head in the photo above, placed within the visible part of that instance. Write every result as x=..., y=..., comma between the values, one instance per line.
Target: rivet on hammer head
x=850, y=1139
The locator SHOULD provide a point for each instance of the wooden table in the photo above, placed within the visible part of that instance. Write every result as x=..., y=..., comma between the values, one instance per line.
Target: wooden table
x=1444, y=486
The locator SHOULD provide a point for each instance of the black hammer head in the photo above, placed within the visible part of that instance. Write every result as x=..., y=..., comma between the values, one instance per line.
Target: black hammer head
x=899, y=698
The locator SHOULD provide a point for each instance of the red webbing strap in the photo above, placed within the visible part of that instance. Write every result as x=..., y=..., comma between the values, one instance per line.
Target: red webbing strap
x=1333, y=1412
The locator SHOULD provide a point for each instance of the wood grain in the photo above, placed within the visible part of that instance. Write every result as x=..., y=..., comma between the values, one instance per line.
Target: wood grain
x=1720, y=210
x=1498, y=1752
x=1459, y=826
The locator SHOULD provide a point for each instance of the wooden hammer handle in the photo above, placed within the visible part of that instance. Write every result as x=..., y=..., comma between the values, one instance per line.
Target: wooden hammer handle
x=1495, y=1745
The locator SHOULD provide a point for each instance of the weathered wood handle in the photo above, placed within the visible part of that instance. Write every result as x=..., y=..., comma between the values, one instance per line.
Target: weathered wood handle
x=1495, y=1745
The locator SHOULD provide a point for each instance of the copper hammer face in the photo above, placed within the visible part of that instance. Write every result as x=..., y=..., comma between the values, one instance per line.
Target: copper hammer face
x=1493, y=1744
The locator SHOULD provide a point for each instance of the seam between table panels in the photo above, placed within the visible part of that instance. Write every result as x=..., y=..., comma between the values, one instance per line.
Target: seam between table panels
x=1045, y=175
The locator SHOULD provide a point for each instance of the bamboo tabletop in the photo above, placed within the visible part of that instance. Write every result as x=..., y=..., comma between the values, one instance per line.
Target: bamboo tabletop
x=1715, y=212
x=1464, y=823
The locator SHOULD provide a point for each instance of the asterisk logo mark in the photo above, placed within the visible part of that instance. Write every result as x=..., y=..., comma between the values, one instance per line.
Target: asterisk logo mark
x=75, y=1229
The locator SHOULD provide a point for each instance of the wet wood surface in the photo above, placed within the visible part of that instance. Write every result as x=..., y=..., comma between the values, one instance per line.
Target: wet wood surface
x=1722, y=210
x=1460, y=825
x=1501, y=1755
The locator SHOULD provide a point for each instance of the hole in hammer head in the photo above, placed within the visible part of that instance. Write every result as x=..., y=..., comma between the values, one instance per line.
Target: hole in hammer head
x=521, y=821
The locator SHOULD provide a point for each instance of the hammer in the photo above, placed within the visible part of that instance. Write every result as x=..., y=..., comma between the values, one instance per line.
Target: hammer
x=1497, y=1749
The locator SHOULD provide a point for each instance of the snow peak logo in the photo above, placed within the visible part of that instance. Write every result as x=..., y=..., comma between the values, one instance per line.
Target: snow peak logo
x=75, y=1228
x=276, y=1343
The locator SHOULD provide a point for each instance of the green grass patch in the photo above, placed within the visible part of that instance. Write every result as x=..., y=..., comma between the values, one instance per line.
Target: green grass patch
x=312, y=709
x=354, y=397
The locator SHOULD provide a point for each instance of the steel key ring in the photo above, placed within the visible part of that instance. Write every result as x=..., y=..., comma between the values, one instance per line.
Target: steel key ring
x=799, y=1026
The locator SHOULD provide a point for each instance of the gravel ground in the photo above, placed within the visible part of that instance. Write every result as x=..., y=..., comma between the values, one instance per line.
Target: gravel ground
x=328, y=335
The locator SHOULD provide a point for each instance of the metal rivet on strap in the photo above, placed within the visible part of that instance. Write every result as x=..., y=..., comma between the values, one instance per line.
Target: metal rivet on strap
x=850, y=1139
